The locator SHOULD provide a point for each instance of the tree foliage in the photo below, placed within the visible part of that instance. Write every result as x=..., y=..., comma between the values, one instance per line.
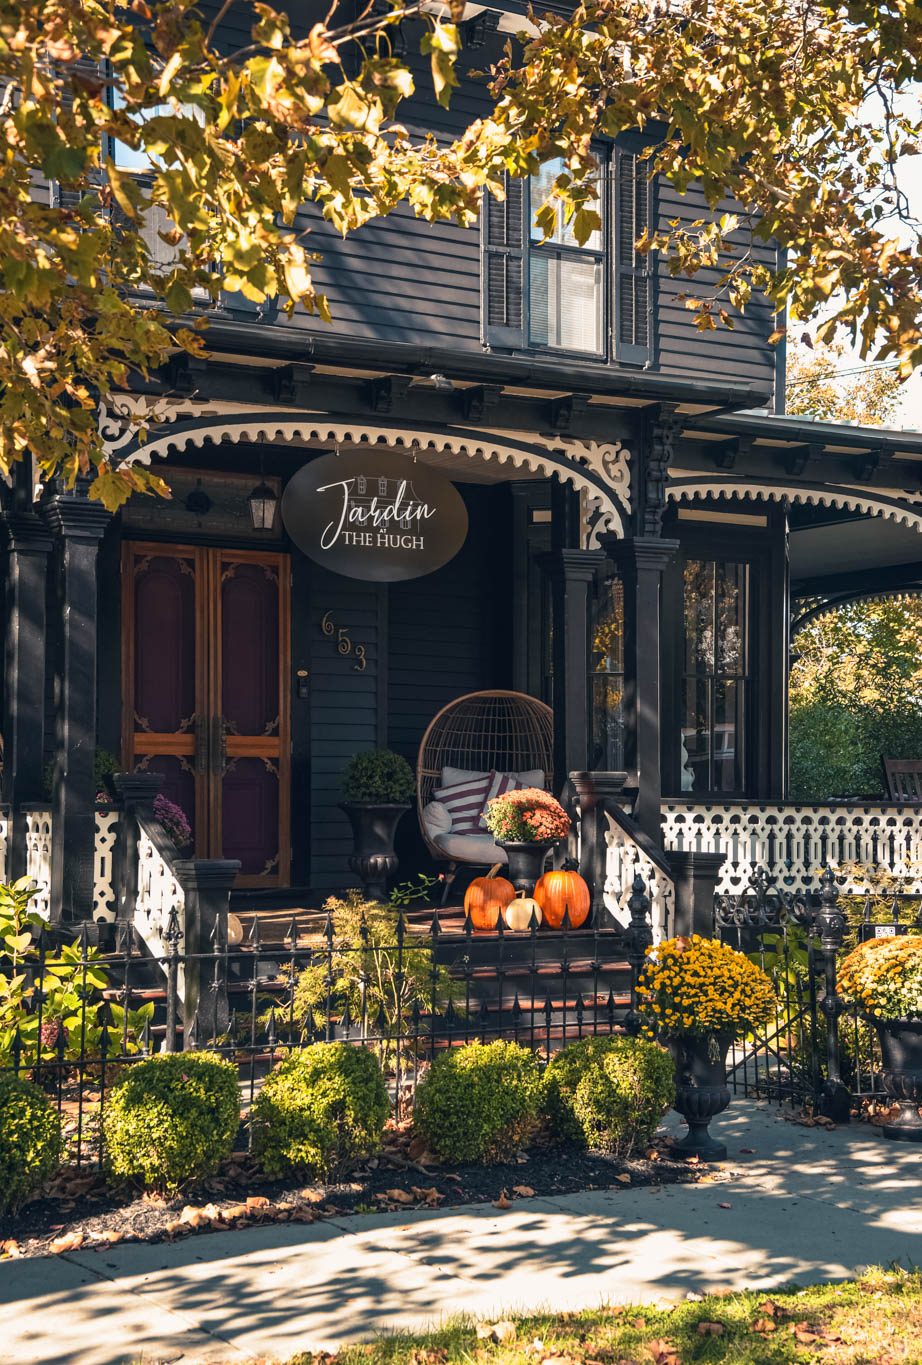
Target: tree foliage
x=821, y=383
x=855, y=694
x=786, y=112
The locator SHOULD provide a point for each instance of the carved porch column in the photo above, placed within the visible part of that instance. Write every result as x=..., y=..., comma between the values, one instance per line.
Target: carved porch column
x=78, y=525
x=572, y=573
x=27, y=547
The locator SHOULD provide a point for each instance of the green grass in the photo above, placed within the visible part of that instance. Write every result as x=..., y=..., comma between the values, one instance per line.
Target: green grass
x=876, y=1320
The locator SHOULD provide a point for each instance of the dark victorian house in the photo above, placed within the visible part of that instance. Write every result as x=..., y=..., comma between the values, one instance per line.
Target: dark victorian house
x=553, y=486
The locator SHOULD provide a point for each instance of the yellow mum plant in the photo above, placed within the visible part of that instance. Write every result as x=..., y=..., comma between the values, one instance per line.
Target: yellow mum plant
x=884, y=977
x=699, y=985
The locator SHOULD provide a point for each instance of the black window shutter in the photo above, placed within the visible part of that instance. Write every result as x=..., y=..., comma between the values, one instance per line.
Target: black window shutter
x=503, y=266
x=634, y=273
x=68, y=198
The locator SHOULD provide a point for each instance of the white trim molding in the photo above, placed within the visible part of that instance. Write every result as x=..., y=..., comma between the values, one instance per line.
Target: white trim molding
x=137, y=429
x=893, y=504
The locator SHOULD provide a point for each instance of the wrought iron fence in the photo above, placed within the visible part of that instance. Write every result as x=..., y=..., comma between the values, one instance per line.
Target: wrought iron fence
x=398, y=983
x=817, y=1052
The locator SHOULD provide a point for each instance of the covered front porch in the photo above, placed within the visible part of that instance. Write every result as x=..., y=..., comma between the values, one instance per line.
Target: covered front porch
x=636, y=569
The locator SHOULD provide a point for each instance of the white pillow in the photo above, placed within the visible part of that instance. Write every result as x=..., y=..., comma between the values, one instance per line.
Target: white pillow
x=452, y=776
x=436, y=819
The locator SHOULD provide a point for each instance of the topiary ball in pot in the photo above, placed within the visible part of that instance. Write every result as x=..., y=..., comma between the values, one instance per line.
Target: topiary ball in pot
x=171, y=1119
x=478, y=1102
x=30, y=1140
x=608, y=1093
x=378, y=776
x=320, y=1109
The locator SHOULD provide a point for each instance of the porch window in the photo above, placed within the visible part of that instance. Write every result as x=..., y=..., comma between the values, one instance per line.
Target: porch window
x=715, y=676
x=606, y=678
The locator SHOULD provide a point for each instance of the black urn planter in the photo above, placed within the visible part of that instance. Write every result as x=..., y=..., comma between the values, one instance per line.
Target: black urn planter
x=901, y=1053
x=526, y=861
x=701, y=1091
x=374, y=825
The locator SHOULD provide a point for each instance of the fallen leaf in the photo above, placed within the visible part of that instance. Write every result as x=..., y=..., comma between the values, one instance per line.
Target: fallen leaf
x=710, y=1329
x=195, y=1218
x=10, y=1248
x=624, y=1178
x=763, y=1325
x=504, y=1331
x=747, y=1151
x=484, y=1331
x=502, y=1202
x=399, y=1196
x=110, y=1236
x=234, y=1211
x=639, y=1323
x=69, y=1242
x=725, y=1206
x=257, y=1201
x=525, y=1191
x=663, y=1352
x=803, y=1332
x=313, y=1196
x=770, y=1308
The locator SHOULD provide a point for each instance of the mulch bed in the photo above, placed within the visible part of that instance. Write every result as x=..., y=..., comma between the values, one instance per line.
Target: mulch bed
x=79, y=1211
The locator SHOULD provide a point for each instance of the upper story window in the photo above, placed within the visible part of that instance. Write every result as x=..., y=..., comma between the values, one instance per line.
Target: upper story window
x=595, y=300
x=566, y=295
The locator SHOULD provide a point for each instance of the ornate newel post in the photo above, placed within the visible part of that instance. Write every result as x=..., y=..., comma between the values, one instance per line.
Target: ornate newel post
x=78, y=525
x=830, y=925
x=27, y=547
x=638, y=937
x=134, y=795
x=206, y=884
x=592, y=789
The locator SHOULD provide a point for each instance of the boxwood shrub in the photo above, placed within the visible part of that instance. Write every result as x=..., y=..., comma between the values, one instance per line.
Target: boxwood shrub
x=171, y=1119
x=608, y=1093
x=478, y=1102
x=321, y=1108
x=30, y=1140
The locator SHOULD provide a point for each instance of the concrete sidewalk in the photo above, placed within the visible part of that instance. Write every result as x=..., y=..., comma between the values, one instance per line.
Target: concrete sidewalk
x=805, y=1205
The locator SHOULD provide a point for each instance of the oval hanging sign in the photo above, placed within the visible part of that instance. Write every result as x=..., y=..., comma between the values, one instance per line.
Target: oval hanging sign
x=375, y=516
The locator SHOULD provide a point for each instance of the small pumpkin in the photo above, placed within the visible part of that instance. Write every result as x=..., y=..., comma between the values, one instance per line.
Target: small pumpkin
x=485, y=900
x=559, y=891
x=519, y=911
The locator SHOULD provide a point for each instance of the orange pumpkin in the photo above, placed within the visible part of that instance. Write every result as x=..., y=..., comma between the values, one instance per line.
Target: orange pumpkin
x=485, y=900
x=559, y=891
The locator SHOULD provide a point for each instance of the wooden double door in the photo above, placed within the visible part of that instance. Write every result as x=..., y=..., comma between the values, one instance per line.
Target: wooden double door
x=205, y=695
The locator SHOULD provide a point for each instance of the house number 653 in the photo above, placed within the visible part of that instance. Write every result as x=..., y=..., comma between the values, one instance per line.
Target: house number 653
x=344, y=643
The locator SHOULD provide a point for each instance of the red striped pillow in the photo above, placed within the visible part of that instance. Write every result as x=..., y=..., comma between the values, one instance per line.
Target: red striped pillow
x=500, y=783
x=464, y=801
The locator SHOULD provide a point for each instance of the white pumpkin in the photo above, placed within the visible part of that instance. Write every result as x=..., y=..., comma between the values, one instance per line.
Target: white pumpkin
x=518, y=913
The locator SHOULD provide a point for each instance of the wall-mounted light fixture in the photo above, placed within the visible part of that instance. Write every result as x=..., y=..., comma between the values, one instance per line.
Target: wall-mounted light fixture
x=263, y=503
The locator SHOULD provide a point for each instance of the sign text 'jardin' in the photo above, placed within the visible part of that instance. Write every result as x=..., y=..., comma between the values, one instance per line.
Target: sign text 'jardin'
x=375, y=516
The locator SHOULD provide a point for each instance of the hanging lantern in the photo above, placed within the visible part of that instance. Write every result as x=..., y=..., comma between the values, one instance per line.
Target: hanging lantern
x=263, y=503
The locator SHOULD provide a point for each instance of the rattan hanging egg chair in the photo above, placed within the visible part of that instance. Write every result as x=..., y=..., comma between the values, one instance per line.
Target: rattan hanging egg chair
x=508, y=732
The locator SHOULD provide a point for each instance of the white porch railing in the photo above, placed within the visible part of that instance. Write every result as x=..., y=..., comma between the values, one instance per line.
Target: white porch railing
x=793, y=843
x=159, y=893
x=38, y=856
x=624, y=860
x=104, y=901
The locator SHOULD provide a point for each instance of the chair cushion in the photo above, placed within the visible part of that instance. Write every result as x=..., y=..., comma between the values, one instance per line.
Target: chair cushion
x=436, y=819
x=470, y=848
x=464, y=801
